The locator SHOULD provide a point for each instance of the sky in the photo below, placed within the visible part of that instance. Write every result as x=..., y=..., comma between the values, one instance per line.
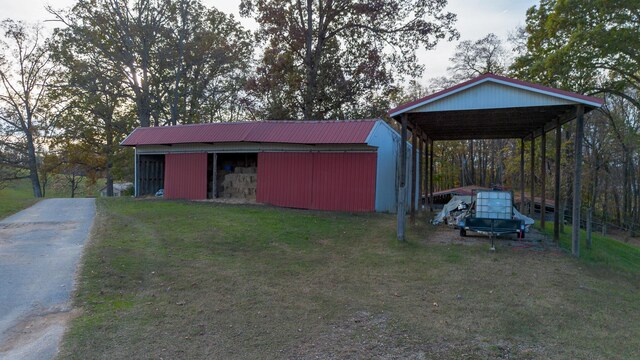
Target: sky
x=476, y=18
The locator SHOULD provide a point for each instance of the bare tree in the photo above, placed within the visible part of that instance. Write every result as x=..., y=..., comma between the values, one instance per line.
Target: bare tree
x=25, y=116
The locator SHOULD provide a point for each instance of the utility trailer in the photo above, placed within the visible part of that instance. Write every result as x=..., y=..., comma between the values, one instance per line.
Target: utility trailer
x=491, y=213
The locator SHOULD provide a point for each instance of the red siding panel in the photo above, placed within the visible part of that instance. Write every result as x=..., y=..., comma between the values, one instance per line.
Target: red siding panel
x=344, y=181
x=320, y=181
x=185, y=176
x=284, y=179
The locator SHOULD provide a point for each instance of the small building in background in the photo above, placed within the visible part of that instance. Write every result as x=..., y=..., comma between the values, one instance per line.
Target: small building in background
x=348, y=165
x=118, y=189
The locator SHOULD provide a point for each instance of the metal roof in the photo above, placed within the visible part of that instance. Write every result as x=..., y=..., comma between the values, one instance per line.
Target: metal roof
x=492, y=107
x=463, y=190
x=288, y=132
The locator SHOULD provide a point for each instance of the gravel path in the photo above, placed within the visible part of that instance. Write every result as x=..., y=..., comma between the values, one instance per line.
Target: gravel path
x=39, y=252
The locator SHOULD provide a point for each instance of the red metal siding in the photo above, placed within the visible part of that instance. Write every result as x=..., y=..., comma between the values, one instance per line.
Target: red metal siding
x=284, y=179
x=344, y=181
x=320, y=181
x=185, y=176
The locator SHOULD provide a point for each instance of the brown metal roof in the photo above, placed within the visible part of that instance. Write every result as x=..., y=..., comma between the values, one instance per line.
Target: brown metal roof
x=289, y=132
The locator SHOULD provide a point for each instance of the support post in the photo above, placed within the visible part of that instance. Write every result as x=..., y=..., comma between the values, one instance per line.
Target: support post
x=522, y=202
x=214, y=180
x=402, y=191
x=420, y=172
x=136, y=188
x=414, y=157
x=556, y=187
x=426, y=173
x=532, y=204
x=577, y=182
x=543, y=178
x=431, y=178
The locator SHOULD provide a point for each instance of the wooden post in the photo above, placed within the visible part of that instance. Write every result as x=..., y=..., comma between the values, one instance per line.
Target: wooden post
x=420, y=172
x=431, y=178
x=402, y=191
x=543, y=178
x=522, y=175
x=136, y=184
x=414, y=157
x=214, y=180
x=556, y=187
x=146, y=182
x=577, y=182
x=426, y=172
x=423, y=172
x=532, y=205
x=589, y=226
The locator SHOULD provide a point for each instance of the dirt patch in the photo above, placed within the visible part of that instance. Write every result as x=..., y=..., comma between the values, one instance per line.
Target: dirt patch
x=31, y=334
x=364, y=335
x=22, y=227
x=368, y=336
x=234, y=201
x=450, y=236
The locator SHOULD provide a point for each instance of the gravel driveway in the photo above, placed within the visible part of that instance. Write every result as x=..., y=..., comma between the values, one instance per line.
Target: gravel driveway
x=39, y=252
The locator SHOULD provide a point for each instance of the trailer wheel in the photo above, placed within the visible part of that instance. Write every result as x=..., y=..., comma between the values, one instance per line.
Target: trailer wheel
x=463, y=232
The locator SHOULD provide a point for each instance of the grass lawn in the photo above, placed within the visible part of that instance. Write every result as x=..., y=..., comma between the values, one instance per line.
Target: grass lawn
x=605, y=251
x=15, y=197
x=18, y=194
x=180, y=280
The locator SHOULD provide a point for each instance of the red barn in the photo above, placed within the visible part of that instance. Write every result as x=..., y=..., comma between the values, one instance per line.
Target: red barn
x=325, y=165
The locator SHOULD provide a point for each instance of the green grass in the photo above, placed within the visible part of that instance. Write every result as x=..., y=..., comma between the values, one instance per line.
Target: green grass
x=15, y=197
x=18, y=195
x=605, y=251
x=164, y=279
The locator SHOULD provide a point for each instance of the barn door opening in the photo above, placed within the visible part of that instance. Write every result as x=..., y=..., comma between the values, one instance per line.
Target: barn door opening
x=236, y=175
x=150, y=174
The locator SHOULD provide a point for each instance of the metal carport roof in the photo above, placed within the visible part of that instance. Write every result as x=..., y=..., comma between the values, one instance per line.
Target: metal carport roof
x=492, y=107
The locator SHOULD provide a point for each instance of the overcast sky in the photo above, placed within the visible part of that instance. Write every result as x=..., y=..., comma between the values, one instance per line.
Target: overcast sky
x=476, y=18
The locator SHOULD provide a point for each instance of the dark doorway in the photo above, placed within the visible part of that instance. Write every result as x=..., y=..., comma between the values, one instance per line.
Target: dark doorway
x=150, y=174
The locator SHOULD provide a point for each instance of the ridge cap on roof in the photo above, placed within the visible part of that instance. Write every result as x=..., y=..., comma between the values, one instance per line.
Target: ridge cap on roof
x=257, y=122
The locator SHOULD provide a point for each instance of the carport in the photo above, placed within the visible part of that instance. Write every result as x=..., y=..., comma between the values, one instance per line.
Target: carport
x=495, y=107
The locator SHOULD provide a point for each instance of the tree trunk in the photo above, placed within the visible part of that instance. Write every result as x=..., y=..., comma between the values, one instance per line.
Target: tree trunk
x=73, y=186
x=109, y=131
x=33, y=166
x=309, y=64
x=616, y=201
